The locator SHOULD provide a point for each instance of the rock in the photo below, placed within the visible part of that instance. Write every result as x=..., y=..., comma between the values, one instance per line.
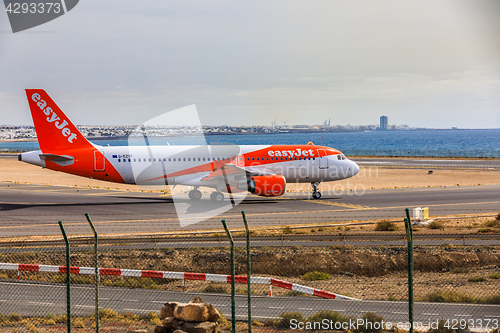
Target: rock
x=168, y=310
x=192, y=312
x=179, y=331
x=196, y=299
x=161, y=329
x=177, y=324
x=204, y=327
x=213, y=314
x=137, y=331
x=167, y=322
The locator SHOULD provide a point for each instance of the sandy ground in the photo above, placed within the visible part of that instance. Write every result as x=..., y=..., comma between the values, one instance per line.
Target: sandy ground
x=14, y=171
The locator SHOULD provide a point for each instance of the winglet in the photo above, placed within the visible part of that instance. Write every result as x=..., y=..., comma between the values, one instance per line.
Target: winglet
x=53, y=128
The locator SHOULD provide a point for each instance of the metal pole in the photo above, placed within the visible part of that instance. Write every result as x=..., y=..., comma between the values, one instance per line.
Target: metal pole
x=96, y=265
x=233, y=302
x=409, y=237
x=68, y=279
x=249, y=273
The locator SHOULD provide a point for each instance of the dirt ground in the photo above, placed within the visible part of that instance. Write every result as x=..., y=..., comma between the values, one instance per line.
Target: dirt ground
x=11, y=170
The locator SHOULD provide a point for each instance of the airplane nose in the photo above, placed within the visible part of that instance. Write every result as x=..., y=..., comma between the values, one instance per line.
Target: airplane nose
x=355, y=169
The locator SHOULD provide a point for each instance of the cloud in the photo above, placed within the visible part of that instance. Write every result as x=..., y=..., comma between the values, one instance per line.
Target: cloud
x=117, y=62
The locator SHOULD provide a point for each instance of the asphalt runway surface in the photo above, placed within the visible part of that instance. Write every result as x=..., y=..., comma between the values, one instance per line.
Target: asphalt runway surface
x=29, y=210
x=39, y=299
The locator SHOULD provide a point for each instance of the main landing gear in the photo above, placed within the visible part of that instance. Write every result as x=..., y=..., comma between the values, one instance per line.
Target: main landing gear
x=195, y=195
x=217, y=197
x=315, y=193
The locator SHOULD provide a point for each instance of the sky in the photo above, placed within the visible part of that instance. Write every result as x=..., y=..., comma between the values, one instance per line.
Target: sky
x=429, y=63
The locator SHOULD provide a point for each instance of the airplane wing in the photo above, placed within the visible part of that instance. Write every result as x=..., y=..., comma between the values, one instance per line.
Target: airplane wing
x=231, y=169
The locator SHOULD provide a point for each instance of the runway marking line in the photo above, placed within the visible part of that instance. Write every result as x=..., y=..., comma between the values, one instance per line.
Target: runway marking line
x=340, y=204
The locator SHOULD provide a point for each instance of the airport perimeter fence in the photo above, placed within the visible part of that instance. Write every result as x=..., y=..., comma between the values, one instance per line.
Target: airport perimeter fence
x=292, y=286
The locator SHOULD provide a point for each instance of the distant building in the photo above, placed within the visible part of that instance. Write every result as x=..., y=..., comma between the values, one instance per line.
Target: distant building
x=384, y=123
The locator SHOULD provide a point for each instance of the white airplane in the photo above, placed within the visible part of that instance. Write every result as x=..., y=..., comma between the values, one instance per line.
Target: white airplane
x=262, y=170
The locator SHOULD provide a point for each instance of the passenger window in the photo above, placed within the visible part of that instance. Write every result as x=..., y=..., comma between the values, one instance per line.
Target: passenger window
x=253, y=158
x=119, y=160
x=184, y=159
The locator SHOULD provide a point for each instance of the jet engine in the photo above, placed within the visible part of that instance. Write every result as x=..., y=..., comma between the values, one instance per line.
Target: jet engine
x=266, y=186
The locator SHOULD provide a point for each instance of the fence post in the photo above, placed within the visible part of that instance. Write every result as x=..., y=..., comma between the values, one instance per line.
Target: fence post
x=249, y=273
x=96, y=265
x=68, y=279
x=409, y=238
x=233, y=303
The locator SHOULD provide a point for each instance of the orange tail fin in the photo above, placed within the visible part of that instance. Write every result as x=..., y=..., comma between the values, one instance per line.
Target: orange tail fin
x=53, y=128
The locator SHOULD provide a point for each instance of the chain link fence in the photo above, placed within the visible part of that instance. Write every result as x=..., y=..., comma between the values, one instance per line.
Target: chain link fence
x=456, y=280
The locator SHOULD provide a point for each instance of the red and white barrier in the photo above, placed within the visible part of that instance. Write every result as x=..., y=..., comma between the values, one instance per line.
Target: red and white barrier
x=174, y=275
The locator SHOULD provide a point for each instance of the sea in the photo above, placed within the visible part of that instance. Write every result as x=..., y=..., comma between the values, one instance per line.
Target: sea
x=422, y=143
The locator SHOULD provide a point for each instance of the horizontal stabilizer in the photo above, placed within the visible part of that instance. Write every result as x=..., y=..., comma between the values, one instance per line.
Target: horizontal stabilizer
x=62, y=160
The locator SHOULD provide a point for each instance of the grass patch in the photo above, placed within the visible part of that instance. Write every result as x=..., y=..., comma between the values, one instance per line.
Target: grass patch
x=286, y=317
x=107, y=313
x=315, y=276
x=495, y=275
x=459, y=270
x=436, y=225
x=287, y=230
x=492, y=223
x=294, y=293
x=477, y=279
x=495, y=299
x=369, y=326
x=214, y=288
x=331, y=316
x=448, y=296
x=385, y=225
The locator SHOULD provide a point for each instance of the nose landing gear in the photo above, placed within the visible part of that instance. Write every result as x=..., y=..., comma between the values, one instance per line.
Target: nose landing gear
x=315, y=193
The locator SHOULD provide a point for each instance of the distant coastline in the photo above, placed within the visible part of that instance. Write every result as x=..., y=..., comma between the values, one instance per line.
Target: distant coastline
x=287, y=131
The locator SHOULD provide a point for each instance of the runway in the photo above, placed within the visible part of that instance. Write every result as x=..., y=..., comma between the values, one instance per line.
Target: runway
x=29, y=210
x=50, y=298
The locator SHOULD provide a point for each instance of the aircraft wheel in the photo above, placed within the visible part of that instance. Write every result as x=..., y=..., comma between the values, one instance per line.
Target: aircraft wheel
x=195, y=195
x=217, y=197
x=316, y=195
